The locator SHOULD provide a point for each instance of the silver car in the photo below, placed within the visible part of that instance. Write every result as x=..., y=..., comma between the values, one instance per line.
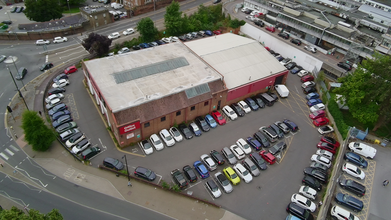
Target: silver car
x=229, y=155
x=222, y=180
x=250, y=166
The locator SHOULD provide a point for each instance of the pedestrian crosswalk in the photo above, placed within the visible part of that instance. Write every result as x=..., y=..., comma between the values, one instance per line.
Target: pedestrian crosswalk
x=9, y=152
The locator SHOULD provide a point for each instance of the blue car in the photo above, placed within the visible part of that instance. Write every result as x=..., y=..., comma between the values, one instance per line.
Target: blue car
x=209, y=33
x=312, y=95
x=250, y=102
x=349, y=201
x=211, y=122
x=356, y=159
x=313, y=102
x=291, y=125
x=254, y=143
x=144, y=45
x=59, y=114
x=201, y=169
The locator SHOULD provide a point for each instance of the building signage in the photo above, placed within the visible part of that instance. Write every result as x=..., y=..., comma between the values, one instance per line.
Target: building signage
x=130, y=135
x=128, y=128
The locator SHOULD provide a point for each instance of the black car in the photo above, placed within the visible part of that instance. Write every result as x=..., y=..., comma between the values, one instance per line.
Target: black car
x=56, y=90
x=273, y=95
x=319, y=166
x=279, y=58
x=312, y=182
x=185, y=131
x=278, y=131
x=238, y=110
x=344, y=66
x=355, y=159
x=248, y=11
x=262, y=139
x=349, y=201
x=216, y=1
x=296, y=41
x=283, y=35
x=272, y=52
x=21, y=73
x=46, y=66
x=144, y=173
x=136, y=47
x=57, y=108
x=90, y=152
x=61, y=76
x=259, y=23
x=7, y=22
x=353, y=186
x=258, y=160
x=299, y=212
x=14, y=9
x=113, y=163
x=202, y=123
x=259, y=102
x=251, y=103
x=277, y=147
x=217, y=157
x=290, y=65
x=190, y=174
x=160, y=42
x=63, y=119
x=179, y=179
x=316, y=173
x=182, y=38
x=309, y=89
x=296, y=69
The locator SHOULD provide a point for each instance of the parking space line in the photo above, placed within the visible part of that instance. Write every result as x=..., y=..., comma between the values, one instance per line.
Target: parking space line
x=4, y=156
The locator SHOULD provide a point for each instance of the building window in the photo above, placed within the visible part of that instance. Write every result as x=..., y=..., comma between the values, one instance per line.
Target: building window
x=104, y=15
x=96, y=17
x=163, y=118
x=206, y=103
x=178, y=113
x=192, y=108
x=146, y=125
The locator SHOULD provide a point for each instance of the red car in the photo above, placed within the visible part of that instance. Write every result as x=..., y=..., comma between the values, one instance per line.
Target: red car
x=307, y=78
x=317, y=114
x=217, y=32
x=70, y=70
x=330, y=140
x=271, y=29
x=326, y=146
x=268, y=157
x=218, y=117
x=320, y=121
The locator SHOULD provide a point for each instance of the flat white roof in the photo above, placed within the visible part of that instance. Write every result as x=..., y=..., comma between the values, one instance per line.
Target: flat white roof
x=137, y=91
x=239, y=59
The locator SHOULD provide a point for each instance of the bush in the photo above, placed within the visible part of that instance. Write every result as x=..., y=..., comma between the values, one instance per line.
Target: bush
x=165, y=185
x=334, y=110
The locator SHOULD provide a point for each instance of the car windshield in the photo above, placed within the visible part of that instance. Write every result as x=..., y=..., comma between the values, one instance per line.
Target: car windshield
x=214, y=188
x=253, y=167
x=316, y=113
x=148, y=173
x=231, y=112
x=230, y=156
x=356, y=144
x=157, y=142
x=212, y=121
x=351, y=216
x=169, y=138
x=362, y=160
x=308, y=203
x=203, y=123
x=358, y=171
x=220, y=117
x=195, y=128
x=246, y=146
x=233, y=176
x=176, y=132
x=305, y=189
x=245, y=173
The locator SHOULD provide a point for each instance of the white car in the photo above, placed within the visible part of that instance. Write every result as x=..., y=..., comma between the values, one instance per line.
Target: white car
x=74, y=140
x=224, y=182
x=79, y=147
x=243, y=172
x=342, y=214
x=244, y=145
x=61, y=83
x=209, y=163
x=325, y=153
x=52, y=103
x=362, y=149
x=42, y=42
x=250, y=17
x=124, y=50
x=238, y=152
x=118, y=6
x=128, y=31
x=325, y=129
x=244, y=9
x=303, y=202
x=213, y=188
x=60, y=39
x=302, y=73
x=253, y=13
x=230, y=113
x=308, y=84
x=54, y=96
x=308, y=192
x=317, y=107
x=176, y=134
x=322, y=160
x=156, y=142
x=310, y=48
x=170, y=39
x=285, y=61
x=244, y=106
x=353, y=171
x=114, y=35
x=167, y=138
x=146, y=146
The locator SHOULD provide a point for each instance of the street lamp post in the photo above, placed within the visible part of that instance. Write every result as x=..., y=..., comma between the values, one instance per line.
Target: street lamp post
x=127, y=170
x=7, y=13
x=69, y=7
x=20, y=94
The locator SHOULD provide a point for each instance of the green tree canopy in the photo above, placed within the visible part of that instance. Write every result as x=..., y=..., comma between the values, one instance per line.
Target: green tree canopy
x=42, y=10
x=96, y=43
x=148, y=31
x=173, y=19
x=368, y=91
x=37, y=134
x=72, y=2
x=18, y=214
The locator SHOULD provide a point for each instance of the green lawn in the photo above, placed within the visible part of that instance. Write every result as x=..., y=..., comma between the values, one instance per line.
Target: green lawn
x=73, y=10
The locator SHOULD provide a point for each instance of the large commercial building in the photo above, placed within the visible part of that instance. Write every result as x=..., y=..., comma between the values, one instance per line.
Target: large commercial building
x=144, y=91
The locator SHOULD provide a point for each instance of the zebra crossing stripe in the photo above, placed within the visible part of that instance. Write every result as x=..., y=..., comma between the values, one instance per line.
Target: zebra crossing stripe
x=9, y=152
x=3, y=156
x=14, y=148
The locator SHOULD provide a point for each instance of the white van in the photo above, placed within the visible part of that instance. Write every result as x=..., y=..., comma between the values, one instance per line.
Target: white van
x=282, y=90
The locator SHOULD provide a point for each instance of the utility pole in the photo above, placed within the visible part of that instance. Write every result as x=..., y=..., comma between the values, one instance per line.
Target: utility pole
x=127, y=170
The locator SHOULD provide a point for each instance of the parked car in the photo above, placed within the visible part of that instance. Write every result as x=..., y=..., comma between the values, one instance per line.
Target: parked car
x=312, y=95
x=8, y=22
x=313, y=102
x=124, y=50
x=308, y=84
x=250, y=166
x=229, y=155
x=194, y=128
x=156, y=142
x=179, y=179
x=316, y=173
x=217, y=157
x=353, y=187
x=223, y=182
x=66, y=126
x=209, y=163
x=190, y=174
x=317, y=114
x=176, y=134
x=89, y=153
x=296, y=41
x=60, y=39
x=327, y=146
x=309, y=90
x=243, y=145
x=167, y=138
x=299, y=211
x=202, y=124
x=63, y=119
x=213, y=188
x=230, y=113
x=238, y=110
x=344, y=66
x=52, y=103
x=218, y=117
x=259, y=102
x=57, y=108
x=330, y=140
x=201, y=169
x=258, y=160
x=342, y=214
x=68, y=134
x=185, y=131
x=146, y=147
x=251, y=103
x=284, y=128
x=262, y=139
x=128, y=31
x=56, y=91
x=231, y=175
x=209, y=33
x=280, y=146
x=244, y=107
x=254, y=143
x=290, y=65
x=307, y=78
x=353, y=171
x=42, y=42
x=320, y=121
x=283, y=35
x=325, y=153
x=325, y=130
x=362, y=149
x=285, y=61
x=349, y=201
x=271, y=29
x=267, y=156
x=302, y=73
x=113, y=163
x=317, y=107
x=210, y=121
x=243, y=173
x=303, y=202
x=47, y=66
x=312, y=182
x=291, y=125
x=308, y=192
x=58, y=114
x=21, y=73
x=321, y=159
x=238, y=152
x=259, y=23
x=310, y=48
x=61, y=83
x=296, y=69
x=355, y=159
x=114, y=35
x=145, y=173
x=319, y=166
x=81, y=146
x=60, y=76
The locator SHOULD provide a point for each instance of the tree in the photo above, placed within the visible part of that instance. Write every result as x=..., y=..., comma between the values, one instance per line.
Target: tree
x=37, y=134
x=72, y=2
x=368, y=91
x=15, y=213
x=96, y=43
x=173, y=19
x=42, y=10
x=146, y=28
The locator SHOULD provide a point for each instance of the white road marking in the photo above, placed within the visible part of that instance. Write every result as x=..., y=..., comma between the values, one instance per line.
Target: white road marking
x=14, y=148
x=9, y=152
x=4, y=156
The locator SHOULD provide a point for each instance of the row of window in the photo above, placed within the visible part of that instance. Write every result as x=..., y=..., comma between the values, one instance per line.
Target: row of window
x=178, y=113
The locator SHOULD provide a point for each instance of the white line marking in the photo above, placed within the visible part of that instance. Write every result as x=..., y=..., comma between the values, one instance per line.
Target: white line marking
x=14, y=148
x=9, y=152
x=4, y=156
